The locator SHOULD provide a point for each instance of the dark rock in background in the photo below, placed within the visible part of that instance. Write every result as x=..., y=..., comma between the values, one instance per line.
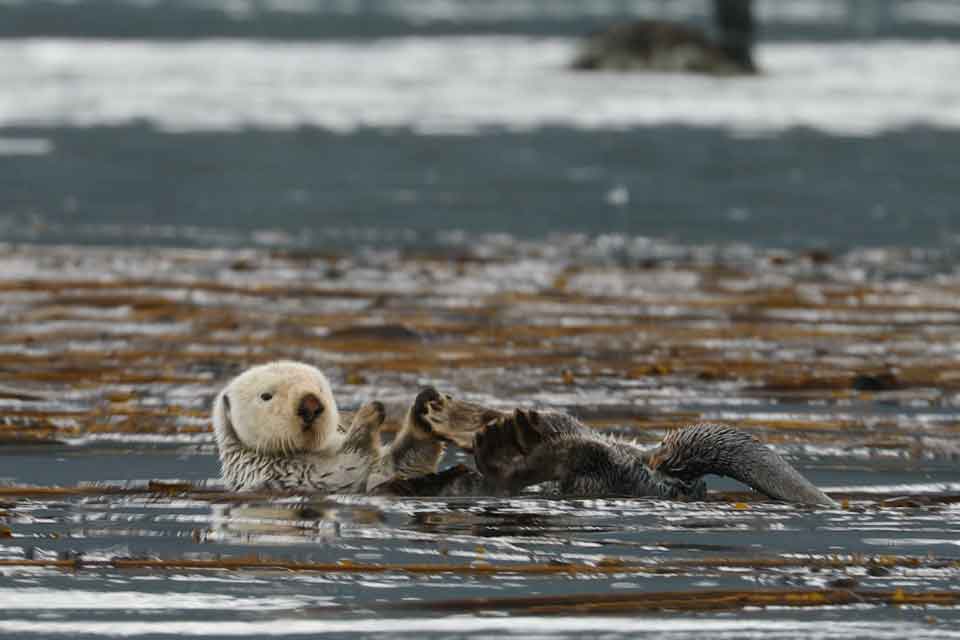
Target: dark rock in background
x=655, y=45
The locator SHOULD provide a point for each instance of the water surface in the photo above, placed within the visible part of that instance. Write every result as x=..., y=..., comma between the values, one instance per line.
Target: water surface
x=190, y=187
x=845, y=363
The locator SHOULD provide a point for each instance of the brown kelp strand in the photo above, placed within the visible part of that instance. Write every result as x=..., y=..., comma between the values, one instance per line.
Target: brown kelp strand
x=696, y=600
x=96, y=343
x=604, y=566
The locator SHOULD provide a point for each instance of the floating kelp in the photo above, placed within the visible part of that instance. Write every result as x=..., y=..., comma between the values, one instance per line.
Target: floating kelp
x=102, y=343
x=605, y=603
x=847, y=364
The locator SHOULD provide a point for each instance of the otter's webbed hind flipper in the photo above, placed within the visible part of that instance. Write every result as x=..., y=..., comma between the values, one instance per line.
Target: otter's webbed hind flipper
x=450, y=419
x=700, y=449
x=532, y=447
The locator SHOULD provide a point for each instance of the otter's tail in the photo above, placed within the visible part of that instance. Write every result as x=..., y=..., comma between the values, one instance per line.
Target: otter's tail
x=710, y=448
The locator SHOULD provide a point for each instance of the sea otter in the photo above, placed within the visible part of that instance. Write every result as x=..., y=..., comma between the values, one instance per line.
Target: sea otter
x=277, y=427
x=525, y=448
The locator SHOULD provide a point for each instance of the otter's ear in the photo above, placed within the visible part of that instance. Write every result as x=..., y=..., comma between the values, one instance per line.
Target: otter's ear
x=228, y=429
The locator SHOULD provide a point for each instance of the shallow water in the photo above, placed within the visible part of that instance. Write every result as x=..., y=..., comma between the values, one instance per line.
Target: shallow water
x=845, y=363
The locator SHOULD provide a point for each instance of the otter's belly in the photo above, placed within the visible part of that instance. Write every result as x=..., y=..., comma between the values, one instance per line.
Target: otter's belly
x=310, y=473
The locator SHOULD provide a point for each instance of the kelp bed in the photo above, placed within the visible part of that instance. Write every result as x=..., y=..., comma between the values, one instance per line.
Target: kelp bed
x=111, y=522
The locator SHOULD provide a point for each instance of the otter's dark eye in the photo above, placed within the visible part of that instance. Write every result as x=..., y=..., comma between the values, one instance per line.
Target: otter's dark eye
x=266, y=397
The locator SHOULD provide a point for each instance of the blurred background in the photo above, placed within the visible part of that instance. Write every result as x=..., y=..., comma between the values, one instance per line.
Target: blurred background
x=732, y=211
x=325, y=123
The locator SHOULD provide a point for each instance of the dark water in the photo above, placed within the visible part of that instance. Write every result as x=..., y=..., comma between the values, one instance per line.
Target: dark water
x=799, y=189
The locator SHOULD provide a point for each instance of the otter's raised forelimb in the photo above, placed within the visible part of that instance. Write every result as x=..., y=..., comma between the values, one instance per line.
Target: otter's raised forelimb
x=433, y=420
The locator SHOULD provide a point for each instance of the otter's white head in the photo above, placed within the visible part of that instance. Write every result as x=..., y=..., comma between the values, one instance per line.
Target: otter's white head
x=281, y=407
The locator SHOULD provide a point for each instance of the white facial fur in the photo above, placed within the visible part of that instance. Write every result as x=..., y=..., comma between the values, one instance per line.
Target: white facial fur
x=263, y=405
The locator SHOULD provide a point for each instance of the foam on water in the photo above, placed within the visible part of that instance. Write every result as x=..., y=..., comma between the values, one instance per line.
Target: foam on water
x=450, y=85
x=39, y=598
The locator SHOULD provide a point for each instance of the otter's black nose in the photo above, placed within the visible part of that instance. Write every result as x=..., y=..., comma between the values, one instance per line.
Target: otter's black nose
x=310, y=407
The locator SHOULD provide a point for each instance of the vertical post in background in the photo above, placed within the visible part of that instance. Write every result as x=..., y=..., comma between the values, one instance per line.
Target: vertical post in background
x=735, y=29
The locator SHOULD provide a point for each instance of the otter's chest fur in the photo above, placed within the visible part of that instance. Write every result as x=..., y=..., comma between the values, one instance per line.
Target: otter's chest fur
x=340, y=472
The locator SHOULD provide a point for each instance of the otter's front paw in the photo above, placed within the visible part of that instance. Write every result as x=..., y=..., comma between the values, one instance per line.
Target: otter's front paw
x=370, y=415
x=509, y=449
x=364, y=434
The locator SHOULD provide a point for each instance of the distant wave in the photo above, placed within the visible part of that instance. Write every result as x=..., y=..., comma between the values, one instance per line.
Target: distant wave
x=463, y=85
